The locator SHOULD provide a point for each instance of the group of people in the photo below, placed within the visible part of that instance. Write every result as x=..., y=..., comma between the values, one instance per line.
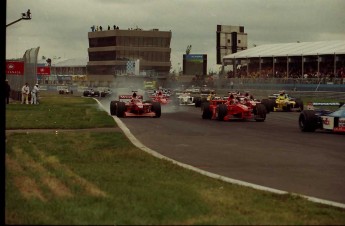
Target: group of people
x=100, y=28
x=34, y=94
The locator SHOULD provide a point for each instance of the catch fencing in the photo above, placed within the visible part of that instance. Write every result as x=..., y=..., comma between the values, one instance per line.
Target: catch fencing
x=30, y=74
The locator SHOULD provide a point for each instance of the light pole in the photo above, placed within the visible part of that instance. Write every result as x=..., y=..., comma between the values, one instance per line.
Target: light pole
x=25, y=16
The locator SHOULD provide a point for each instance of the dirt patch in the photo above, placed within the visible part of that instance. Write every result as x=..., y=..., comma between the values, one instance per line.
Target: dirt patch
x=55, y=185
x=26, y=186
x=75, y=178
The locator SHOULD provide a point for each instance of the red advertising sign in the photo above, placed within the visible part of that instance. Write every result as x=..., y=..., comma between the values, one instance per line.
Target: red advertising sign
x=14, y=67
x=43, y=70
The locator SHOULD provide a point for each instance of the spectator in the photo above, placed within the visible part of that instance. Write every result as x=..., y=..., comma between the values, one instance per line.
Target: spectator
x=25, y=93
x=7, y=92
x=97, y=28
x=93, y=28
x=28, y=13
x=108, y=27
x=34, y=93
x=114, y=27
x=100, y=28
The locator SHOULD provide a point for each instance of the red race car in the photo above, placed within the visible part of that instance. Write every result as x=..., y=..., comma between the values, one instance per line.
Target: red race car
x=134, y=106
x=160, y=98
x=225, y=110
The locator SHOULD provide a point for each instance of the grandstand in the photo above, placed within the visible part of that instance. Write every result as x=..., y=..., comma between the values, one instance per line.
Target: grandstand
x=304, y=60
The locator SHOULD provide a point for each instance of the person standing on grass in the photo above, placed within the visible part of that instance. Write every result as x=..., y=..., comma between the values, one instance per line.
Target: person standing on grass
x=25, y=93
x=7, y=92
x=34, y=93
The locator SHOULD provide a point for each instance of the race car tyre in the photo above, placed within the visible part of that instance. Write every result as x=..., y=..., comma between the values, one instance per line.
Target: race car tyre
x=260, y=115
x=113, y=105
x=206, y=113
x=267, y=104
x=86, y=93
x=204, y=100
x=156, y=108
x=299, y=104
x=272, y=104
x=96, y=93
x=222, y=112
x=197, y=101
x=120, y=109
x=102, y=94
x=307, y=121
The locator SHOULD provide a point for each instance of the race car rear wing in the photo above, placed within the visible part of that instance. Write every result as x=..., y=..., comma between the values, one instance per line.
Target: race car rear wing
x=128, y=97
x=310, y=105
x=339, y=104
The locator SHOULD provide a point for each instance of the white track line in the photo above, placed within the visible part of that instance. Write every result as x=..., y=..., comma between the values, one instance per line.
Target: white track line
x=141, y=146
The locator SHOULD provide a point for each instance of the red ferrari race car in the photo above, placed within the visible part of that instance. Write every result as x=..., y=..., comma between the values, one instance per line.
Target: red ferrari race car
x=225, y=110
x=160, y=97
x=134, y=106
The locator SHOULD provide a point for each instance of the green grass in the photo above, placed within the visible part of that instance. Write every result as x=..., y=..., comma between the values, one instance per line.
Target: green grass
x=60, y=112
x=85, y=177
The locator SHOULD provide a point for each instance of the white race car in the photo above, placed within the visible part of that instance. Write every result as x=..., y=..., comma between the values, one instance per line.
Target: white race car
x=310, y=120
x=186, y=99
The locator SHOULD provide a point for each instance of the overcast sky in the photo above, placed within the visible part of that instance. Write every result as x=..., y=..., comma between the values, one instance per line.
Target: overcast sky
x=60, y=27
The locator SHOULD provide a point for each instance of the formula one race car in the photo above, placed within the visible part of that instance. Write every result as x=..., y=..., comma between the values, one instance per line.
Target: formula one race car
x=311, y=120
x=185, y=99
x=133, y=105
x=283, y=102
x=105, y=92
x=160, y=97
x=91, y=93
x=65, y=91
x=224, y=110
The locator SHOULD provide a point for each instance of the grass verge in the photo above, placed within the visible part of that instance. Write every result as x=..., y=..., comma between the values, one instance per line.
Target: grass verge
x=85, y=177
x=57, y=112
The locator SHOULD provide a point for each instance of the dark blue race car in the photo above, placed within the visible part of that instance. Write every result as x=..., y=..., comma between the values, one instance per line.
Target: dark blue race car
x=311, y=120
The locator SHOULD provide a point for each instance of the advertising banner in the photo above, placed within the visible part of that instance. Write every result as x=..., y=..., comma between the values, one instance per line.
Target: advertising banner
x=43, y=70
x=14, y=67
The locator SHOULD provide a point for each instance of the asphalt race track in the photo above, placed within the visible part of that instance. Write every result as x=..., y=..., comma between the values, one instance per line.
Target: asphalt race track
x=273, y=153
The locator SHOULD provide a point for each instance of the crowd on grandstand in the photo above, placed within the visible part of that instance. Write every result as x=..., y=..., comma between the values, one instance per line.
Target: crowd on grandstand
x=294, y=72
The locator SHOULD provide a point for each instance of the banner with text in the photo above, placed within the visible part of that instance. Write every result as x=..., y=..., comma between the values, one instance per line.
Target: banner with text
x=14, y=67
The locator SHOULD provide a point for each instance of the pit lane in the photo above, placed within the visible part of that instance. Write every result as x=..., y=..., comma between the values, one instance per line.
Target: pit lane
x=273, y=153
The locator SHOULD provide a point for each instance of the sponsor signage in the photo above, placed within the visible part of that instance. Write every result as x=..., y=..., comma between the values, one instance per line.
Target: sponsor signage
x=14, y=67
x=43, y=70
x=194, y=57
x=130, y=97
x=326, y=104
x=328, y=122
x=17, y=68
x=341, y=125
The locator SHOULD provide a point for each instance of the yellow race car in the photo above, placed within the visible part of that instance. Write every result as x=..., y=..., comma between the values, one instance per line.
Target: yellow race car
x=283, y=102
